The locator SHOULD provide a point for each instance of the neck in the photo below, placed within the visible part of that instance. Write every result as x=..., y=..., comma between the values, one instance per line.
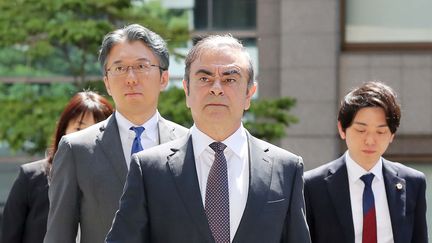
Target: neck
x=218, y=133
x=138, y=118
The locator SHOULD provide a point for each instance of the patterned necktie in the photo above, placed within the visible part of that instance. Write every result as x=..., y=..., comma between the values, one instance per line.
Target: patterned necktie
x=369, y=215
x=136, y=145
x=217, y=196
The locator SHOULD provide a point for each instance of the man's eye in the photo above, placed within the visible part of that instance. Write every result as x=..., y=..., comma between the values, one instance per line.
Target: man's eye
x=360, y=131
x=204, y=79
x=119, y=68
x=230, y=80
x=141, y=66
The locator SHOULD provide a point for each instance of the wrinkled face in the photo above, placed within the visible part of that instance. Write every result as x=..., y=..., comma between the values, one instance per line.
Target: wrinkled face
x=368, y=136
x=80, y=122
x=218, y=93
x=134, y=91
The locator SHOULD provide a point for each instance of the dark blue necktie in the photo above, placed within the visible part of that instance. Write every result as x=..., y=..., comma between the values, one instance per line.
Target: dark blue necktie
x=369, y=214
x=217, y=196
x=136, y=145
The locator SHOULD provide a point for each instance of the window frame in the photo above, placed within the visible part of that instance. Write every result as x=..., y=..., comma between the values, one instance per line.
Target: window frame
x=375, y=46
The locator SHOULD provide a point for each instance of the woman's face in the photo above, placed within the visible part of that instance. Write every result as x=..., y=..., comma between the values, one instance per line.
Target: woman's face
x=80, y=122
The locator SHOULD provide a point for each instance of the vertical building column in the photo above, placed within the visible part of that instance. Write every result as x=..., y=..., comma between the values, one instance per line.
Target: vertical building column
x=298, y=50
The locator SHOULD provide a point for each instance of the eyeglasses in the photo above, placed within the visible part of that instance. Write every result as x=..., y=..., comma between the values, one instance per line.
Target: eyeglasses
x=139, y=67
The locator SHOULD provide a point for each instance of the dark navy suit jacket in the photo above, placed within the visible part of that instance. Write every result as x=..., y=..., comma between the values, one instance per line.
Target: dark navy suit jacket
x=162, y=201
x=328, y=205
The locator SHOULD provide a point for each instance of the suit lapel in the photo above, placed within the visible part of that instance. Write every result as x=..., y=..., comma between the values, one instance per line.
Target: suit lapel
x=109, y=140
x=166, y=133
x=182, y=166
x=396, y=198
x=338, y=188
x=260, y=176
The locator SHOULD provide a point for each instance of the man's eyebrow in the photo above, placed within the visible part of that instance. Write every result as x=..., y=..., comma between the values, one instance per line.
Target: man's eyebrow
x=360, y=123
x=204, y=71
x=141, y=59
x=364, y=124
x=231, y=72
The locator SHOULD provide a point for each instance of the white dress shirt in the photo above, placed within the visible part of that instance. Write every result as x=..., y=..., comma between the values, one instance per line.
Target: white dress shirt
x=356, y=187
x=149, y=138
x=237, y=158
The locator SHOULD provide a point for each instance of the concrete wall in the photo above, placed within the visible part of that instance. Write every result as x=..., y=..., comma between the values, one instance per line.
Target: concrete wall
x=298, y=46
x=299, y=53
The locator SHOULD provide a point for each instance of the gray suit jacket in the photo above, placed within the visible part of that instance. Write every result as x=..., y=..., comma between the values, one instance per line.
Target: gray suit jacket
x=162, y=201
x=88, y=175
x=328, y=204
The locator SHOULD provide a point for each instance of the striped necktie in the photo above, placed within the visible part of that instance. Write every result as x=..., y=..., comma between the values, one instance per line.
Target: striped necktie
x=369, y=214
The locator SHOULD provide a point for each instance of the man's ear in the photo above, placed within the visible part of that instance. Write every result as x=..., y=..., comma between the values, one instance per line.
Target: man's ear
x=107, y=85
x=164, y=80
x=342, y=134
x=251, y=91
x=186, y=90
x=392, y=137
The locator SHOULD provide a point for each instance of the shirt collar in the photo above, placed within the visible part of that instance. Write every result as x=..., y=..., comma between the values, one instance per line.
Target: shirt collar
x=355, y=171
x=237, y=142
x=150, y=125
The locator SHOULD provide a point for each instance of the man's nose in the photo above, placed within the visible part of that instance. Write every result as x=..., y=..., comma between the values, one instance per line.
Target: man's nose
x=370, y=139
x=131, y=77
x=216, y=87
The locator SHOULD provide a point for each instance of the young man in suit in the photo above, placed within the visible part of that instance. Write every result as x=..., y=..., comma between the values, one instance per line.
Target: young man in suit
x=219, y=184
x=362, y=197
x=90, y=166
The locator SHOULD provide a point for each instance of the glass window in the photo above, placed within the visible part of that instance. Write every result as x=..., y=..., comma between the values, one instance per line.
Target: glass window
x=388, y=21
x=225, y=14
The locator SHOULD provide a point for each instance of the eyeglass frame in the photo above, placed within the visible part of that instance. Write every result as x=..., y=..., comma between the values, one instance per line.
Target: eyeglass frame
x=133, y=67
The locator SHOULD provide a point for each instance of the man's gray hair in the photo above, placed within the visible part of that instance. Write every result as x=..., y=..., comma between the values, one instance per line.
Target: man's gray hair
x=135, y=32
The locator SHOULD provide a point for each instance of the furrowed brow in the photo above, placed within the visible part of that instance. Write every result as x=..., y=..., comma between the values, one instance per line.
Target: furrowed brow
x=204, y=71
x=231, y=72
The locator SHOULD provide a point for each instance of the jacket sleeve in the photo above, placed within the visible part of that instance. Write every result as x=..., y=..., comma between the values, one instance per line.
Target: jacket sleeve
x=420, y=233
x=130, y=224
x=64, y=197
x=296, y=228
x=16, y=210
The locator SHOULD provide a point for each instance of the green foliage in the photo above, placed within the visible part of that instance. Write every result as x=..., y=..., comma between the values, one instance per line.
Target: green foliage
x=172, y=106
x=64, y=36
x=267, y=119
x=172, y=25
x=29, y=114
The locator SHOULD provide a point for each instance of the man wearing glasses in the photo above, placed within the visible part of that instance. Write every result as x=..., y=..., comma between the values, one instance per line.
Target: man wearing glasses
x=90, y=167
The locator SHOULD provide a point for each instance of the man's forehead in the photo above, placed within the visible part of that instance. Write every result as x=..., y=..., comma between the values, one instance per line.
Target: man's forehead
x=224, y=60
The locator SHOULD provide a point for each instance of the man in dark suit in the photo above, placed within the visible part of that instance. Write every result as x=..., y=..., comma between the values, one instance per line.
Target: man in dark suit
x=219, y=184
x=90, y=166
x=362, y=197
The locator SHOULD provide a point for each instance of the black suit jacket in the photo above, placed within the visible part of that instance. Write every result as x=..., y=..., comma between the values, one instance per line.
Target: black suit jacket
x=328, y=205
x=162, y=201
x=26, y=211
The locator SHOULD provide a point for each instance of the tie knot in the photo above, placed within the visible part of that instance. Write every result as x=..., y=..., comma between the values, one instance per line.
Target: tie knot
x=367, y=179
x=217, y=146
x=138, y=130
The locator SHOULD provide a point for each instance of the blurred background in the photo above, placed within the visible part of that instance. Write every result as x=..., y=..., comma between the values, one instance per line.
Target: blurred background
x=307, y=54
